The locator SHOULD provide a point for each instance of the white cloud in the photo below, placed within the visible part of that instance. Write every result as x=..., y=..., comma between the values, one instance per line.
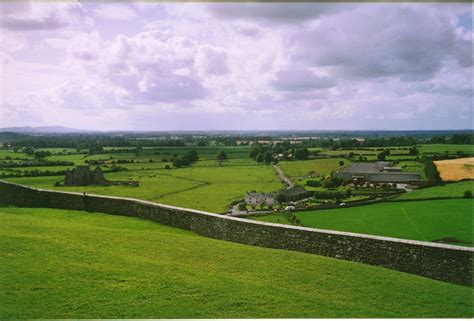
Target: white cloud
x=114, y=11
x=11, y=42
x=27, y=16
x=211, y=61
x=294, y=79
x=262, y=66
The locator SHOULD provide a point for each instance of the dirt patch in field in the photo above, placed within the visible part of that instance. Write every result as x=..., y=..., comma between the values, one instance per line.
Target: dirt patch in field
x=456, y=169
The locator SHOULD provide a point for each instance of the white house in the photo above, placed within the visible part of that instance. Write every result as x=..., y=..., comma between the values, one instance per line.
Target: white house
x=252, y=198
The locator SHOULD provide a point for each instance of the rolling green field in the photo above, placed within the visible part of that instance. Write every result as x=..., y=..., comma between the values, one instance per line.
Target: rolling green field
x=67, y=264
x=206, y=185
x=210, y=188
x=446, y=190
x=320, y=166
x=422, y=220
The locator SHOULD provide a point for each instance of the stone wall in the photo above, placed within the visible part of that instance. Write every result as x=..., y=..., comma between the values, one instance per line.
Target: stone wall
x=438, y=261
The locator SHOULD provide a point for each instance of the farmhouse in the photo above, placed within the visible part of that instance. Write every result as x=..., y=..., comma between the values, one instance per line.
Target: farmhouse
x=253, y=198
x=295, y=193
x=83, y=175
x=380, y=172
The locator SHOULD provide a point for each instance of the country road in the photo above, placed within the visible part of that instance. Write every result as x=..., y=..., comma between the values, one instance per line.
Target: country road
x=283, y=176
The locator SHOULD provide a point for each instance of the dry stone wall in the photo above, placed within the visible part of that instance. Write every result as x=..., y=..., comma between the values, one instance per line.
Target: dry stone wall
x=438, y=261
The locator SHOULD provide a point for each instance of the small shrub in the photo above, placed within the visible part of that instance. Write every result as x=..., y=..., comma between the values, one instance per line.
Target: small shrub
x=467, y=194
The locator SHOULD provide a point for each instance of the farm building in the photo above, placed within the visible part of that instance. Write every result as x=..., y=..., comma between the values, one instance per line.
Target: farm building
x=380, y=172
x=83, y=175
x=295, y=193
x=253, y=198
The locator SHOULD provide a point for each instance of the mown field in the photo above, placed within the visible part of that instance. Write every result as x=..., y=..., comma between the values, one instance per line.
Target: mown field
x=456, y=169
x=59, y=264
x=445, y=190
x=447, y=221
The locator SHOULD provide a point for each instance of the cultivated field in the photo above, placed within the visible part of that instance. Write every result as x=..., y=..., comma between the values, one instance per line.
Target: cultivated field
x=456, y=169
x=65, y=264
x=447, y=221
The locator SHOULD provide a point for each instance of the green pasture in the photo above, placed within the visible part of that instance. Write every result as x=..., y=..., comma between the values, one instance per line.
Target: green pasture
x=321, y=166
x=448, y=221
x=40, y=168
x=77, y=159
x=10, y=153
x=146, y=159
x=413, y=167
x=56, y=150
x=442, y=148
x=391, y=158
x=204, y=188
x=446, y=190
x=207, y=152
x=342, y=152
x=59, y=264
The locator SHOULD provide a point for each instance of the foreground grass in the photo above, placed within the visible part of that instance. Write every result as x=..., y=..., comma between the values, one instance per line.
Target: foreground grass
x=67, y=264
x=446, y=190
x=447, y=220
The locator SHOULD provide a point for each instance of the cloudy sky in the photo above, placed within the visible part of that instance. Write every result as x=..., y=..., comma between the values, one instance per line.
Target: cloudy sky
x=152, y=66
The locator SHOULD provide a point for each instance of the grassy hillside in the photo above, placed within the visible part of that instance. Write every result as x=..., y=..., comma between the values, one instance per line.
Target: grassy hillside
x=423, y=220
x=67, y=264
x=446, y=190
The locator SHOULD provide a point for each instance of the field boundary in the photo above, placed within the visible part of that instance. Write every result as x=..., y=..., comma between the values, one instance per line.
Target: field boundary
x=435, y=198
x=443, y=262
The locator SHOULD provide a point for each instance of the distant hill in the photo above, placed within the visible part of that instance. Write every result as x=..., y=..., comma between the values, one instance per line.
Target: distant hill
x=43, y=129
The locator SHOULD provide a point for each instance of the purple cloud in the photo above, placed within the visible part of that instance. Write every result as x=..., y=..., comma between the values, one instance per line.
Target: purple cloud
x=236, y=66
x=300, y=80
x=25, y=16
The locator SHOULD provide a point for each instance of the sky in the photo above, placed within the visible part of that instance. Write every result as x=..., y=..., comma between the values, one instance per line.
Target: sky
x=236, y=66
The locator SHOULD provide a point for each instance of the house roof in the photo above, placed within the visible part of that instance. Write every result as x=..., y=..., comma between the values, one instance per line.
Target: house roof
x=294, y=191
x=374, y=167
x=255, y=194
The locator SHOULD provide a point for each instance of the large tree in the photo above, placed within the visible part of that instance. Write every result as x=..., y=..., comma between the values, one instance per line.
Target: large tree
x=222, y=156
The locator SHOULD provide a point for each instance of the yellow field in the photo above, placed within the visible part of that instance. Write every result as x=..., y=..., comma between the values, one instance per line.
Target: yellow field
x=456, y=169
